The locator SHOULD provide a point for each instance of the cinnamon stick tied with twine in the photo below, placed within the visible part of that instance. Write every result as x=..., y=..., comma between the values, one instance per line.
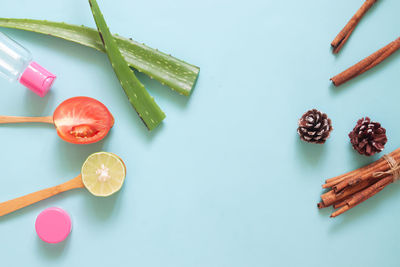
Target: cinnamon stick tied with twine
x=350, y=189
x=345, y=33
x=367, y=63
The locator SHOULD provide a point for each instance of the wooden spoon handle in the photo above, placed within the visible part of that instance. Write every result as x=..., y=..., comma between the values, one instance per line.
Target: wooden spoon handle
x=14, y=119
x=21, y=202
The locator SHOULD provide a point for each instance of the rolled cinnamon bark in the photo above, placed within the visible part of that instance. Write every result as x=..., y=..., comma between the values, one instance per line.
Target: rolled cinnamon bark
x=360, y=175
x=382, y=166
x=340, y=204
x=331, y=197
x=367, y=63
x=345, y=33
x=335, y=180
x=363, y=195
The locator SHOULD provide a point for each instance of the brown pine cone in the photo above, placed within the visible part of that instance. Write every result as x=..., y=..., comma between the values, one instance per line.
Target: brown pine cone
x=314, y=127
x=368, y=137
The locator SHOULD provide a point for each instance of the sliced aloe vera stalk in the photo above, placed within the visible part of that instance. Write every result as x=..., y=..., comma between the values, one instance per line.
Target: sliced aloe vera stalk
x=140, y=99
x=175, y=73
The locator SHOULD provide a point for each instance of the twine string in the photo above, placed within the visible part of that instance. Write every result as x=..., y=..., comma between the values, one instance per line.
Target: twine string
x=394, y=169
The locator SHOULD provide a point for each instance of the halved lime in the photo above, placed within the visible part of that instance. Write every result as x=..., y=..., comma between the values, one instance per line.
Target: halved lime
x=103, y=174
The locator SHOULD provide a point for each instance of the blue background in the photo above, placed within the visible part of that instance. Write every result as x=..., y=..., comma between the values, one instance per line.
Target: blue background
x=225, y=180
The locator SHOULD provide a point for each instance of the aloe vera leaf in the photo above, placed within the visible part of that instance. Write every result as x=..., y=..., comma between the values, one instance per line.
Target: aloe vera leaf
x=173, y=72
x=144, y=104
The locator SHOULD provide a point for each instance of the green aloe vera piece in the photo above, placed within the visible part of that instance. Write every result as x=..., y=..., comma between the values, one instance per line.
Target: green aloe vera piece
x=175, y=73
x=140, y=99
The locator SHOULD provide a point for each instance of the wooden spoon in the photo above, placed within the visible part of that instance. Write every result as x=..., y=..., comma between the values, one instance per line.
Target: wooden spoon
x=21, y=202
x=78, y=120
x=100, y=170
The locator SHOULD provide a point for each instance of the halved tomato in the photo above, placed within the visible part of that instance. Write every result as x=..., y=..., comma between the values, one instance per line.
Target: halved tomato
x=82, y=120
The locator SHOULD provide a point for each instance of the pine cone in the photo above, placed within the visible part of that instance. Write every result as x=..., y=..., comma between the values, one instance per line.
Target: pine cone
x=368, y=137
x=314, y=127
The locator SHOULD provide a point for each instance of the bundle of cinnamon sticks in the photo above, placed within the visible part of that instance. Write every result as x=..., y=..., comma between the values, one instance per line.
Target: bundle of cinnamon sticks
x=350, y=189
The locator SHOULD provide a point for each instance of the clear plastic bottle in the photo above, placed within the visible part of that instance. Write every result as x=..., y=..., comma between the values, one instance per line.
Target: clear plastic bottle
x=16, y=65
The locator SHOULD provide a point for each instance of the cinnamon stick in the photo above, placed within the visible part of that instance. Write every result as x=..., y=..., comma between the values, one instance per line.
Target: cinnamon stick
x=363, y=173
x=331, y=197
x=381, y=167
x=321, y=205
x=357, y=174
x=345, y=33
x=354, y=173
x=367, y=63
x=340, y=204
x=363, y=195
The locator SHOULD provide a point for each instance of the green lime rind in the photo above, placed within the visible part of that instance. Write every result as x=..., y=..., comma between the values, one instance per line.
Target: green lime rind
x=144, y=104
x=176, y=74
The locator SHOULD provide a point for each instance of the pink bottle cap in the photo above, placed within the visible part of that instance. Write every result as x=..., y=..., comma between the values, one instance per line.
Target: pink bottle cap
x=53, y=225
x=37, y=78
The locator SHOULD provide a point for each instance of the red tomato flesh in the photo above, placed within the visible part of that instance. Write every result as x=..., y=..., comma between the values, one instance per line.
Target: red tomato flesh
x=82, y=120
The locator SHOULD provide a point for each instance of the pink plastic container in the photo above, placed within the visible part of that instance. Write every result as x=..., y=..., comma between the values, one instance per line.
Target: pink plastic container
x=53, y=225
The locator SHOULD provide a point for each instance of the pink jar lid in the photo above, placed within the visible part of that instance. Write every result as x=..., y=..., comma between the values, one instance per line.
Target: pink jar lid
x=53, y=225
x=37, y=78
